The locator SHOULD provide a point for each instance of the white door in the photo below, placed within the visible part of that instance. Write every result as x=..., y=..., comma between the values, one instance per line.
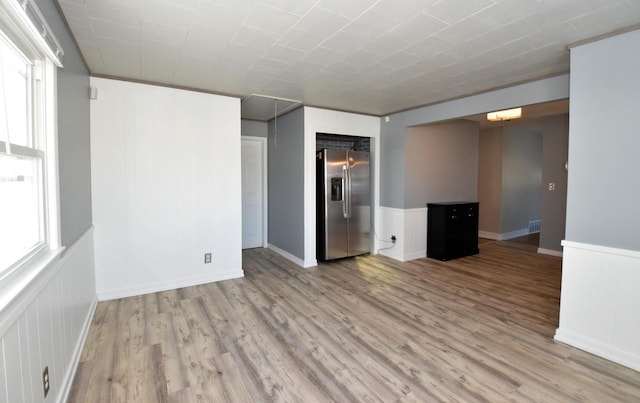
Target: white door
x=253, y=190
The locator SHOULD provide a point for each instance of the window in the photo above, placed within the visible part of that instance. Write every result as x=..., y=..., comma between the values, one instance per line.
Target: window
x=28, y=166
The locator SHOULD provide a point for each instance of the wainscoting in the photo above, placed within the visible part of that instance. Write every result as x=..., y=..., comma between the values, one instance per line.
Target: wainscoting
x=410, y=228
x=46, y=325
x=599, y=302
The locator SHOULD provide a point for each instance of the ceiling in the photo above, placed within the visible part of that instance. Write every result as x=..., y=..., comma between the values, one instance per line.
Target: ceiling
x=369, y=56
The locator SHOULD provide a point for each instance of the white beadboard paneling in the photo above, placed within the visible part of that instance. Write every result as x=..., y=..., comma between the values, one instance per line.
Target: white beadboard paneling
x=599, y=302
x=166, y=187
x=46, y=325
x=14, y=370
x=410, y=228
x=415, y=233
x=3, y=379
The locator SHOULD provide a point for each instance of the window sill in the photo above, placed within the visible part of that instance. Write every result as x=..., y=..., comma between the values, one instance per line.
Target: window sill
x=27, y=279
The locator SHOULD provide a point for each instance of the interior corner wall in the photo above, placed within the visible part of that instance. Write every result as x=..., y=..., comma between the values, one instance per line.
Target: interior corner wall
x=254, y=128
x=393, y=161
x=521, y=177
x=490, y=181
x=166, y=183
x=286, y=183
x=441, y=163
x=601, y=257
x=553, y=206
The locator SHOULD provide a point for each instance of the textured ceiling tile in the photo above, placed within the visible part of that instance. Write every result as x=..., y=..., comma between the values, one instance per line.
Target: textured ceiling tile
x=350, y=9
x=75, y=13
x=322, y=22
x=429, y=46
x=463, y=30
x=453, y=11
x=298, y=7
x=363, y=57
x=166, y=13
x=323, y=56
x=114, y=12
x=301, y=40
x=284, y=54
x=345, y=42
x=375, y=56
x=271, y=19
x=119, y=32
x=224, y=17
x=255, y=38
x=371, y=25
x=163, y=33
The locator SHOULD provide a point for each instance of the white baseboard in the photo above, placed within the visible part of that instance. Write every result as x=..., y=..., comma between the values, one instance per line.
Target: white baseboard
x=302, y=263
x=599, y=301
x=550, y=252
x=106, y=295
x=490, y=235
x=603, y=350
x=503, y=236
x=67, y=382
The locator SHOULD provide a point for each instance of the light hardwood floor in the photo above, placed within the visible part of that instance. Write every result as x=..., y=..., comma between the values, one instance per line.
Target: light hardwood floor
x=368, y=329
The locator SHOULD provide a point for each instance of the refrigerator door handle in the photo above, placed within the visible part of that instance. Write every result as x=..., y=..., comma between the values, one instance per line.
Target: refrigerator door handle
x=345, y=193
x=348, y=191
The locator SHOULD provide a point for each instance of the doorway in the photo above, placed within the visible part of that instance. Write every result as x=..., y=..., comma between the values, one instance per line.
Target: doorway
x=254, y=192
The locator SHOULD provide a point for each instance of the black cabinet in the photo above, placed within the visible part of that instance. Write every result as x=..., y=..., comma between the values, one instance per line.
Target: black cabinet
x=452, y=230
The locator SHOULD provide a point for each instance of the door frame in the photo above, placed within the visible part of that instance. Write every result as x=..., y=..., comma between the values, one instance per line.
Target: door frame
x=265, y=192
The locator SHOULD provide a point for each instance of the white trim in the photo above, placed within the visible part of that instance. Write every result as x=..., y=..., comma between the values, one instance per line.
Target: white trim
x=24, y=284
x=318, y=120
x=125, y=292
x=292, y=258
x=265, y=186
x=550, y=252
x=602, y=249
x=489, y=235
x=504, y=236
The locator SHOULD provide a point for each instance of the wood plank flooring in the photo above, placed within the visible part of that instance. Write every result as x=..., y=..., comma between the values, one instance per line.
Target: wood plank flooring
x=368, y=329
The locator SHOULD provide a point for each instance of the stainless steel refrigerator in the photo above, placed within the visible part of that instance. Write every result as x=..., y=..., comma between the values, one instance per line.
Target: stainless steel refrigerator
x=343, y=204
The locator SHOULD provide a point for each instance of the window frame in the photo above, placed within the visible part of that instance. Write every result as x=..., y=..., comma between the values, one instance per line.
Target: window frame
x=17, y=29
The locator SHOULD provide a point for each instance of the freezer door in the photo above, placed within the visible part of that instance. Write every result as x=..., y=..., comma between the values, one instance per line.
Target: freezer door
x=335, y=204
x=359, y=202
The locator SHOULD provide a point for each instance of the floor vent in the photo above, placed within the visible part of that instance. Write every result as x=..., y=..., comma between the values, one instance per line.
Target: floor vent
x=534, y=226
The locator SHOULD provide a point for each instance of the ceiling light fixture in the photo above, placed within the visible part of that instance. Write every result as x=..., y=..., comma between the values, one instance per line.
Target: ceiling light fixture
x=507, y=114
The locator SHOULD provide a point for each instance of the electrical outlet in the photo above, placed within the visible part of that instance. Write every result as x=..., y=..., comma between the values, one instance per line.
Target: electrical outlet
x=207, y=257
x=393, y=238
x=45, y=381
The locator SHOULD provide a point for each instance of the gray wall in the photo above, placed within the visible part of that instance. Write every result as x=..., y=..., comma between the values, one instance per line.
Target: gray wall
x=603, y=192
x=441, y=163
x=392, y=161
x=521, y=177
x=286, y=183
x=553, y=205
x=490, y=179
x=392, y=133
x=253, y=128
x=73, y=132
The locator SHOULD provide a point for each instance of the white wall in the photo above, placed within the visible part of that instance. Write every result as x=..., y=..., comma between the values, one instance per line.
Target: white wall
x=166, y=187
x=327, y=121
x=46, y=325
x=601, y=267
